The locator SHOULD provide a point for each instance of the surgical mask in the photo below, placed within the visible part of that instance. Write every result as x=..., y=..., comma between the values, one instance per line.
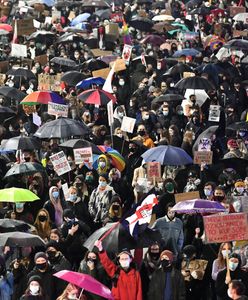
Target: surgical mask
x=207, y=192
x=19, y=205
x=73, y=197
x=121, y=82
x=11, y=84
x=121, y=115
x=34, y=289
x=165, y=113
x=55, y=194
x=233, y=266
x=41, y=266
x=225, y=253
x=240, y=190
x=242, y=133
x=180, y=112
x=146, y=117
x=125, y=264
x=72, y=297
x=89, y=178
x=119, y=135
x=102, y=183
x=102, y=164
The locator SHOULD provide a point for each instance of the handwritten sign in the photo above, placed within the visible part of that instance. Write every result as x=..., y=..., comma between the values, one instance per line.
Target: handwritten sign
x=49, y=82
x=83, y=155
x=126, y=53
x=119, y=65
x=57, y=109
x=214, y=113
x=226, y=228
x=187, y=196
x=128, y=124
x=154, y=170
x=18, y=50
x=101, y=73
x=60, y=163
x=25, y=26
x=203, y=157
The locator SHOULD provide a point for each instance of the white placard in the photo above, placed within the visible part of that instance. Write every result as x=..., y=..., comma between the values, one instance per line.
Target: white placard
x=60, y=163
x=128, y=124
x=83, y=155
x=127, y=53
x=57, y=109
x=110, y=113
x=18, y=50
x=36, y=119
x=214, y=113
x=65, y=190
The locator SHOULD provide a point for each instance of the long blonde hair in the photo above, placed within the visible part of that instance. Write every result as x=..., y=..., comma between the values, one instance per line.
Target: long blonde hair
x=43, y=231
x=70, y=287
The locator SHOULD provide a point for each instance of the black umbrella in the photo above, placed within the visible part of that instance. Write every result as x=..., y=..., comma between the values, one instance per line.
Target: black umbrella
x=41, y=35
x=195, y=82
x=95, y=3
x=64, y=62
x=179, y=69
x=238, y=126
x=207, y=134
x=61, y=4
x=192, y=4
x=149, y=60
x=61, y=128
x=27, y=168
x=69, y=37
x=168, y=98
x=21, y=72
x=203, y=10
x=22, y=143
x=119, y=144
x=5, y=113
x=238, y=44
x=71, y=78
x=142, y=24
x=9, y=225
x=94, y=64
x=12, y=93
x=80, y=143
x=20, y=239
x=103, y=14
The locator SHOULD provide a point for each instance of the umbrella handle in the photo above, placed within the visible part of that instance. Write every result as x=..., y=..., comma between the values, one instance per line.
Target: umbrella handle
x=81, y=293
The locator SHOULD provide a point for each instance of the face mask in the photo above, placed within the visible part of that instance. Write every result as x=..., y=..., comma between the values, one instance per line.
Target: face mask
x=121, y=82
x=115, y=207
x=73, y=197
x=41, y=266
x=51, y=254
x=165, y=113
x=72, y=297
x=55, y=194
x=240, y=190
x=229, y=294
x=27, y=159
x=102, y=183
x=102, y=164
x=219, y=198
x=89, y=178
x=233, y=266
x=78, y=185
x=19, y=205
x=165, y=263
x=146, y=117
x=225, y=253
x=11, y=84
x=180, y=112
x=121, y=115
x=242, y=133
x=42, y=218
x=141, y=132
x=154, y=255
x=207, y=192
x=34, y=289
x=119, y=135
x=125, y=264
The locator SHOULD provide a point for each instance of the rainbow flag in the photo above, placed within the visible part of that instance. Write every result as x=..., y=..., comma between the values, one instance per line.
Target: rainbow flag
x=125, y=33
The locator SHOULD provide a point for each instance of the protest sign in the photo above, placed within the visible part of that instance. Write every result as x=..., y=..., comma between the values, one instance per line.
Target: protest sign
x=204, y=145
x=57, y=109
x=226, y=227
x=36, y=119
x=214, y=113
x=126, y=53
x=60, y=163
x=72, y=15
x=18, y=50
x=119, y=65
x=203, y=157
x=99, y=52
x=83, y=155
x=112, y=29
x=154, y=170
x=117, y=17
x=25, y=26
x=101, y=73
x=55, y=81
x=2, y=79
x=43, y=82
x=239, y=33
x=42, y=59
x=128, y=124
x=110, y=113
x=188, y=74
x=65, y=190
x=187, y=196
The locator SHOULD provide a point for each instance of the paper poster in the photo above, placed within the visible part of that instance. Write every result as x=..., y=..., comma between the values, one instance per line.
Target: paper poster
x=110, y=113
x=117, y=17
x=153, y=170
x=36, y=119
x=204, y=145
x=226, y=228
x=119, y=65
x=214, y=113
x=65, y=190
x=83, y=155
x=101, y=73
x=188, y=74
x=60, y=163
x=203, y=157
x=187, y=196
x=55, y=81
x=127, y=53
x=18, y=50
x=128, y=124
x=99, y=52
x=57, y=109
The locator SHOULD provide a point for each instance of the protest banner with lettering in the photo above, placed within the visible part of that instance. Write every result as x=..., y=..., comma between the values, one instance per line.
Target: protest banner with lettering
x=187, y=196
x=214, y=113
x=60, y=163
x=203, y=157
x=57, y=109
x=128, y=124
x=18, y=50
x=154, y=170
x=226, y=227
x=83, y=155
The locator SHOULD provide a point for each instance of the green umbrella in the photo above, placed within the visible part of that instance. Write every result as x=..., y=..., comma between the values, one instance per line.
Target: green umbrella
x=17, y=195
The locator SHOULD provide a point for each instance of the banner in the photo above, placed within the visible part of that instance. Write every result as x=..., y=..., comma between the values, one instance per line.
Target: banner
x=187, y=196
x=214, y=113
x=83, y=155
x=128, y=124
x=153, y=170
x=57, y=109
x=203, y=157
x=226, y=228
x=60, y=163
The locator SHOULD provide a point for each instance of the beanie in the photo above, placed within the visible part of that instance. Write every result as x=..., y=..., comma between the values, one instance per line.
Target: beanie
x=167, y=253
x=53, y=244
x=34, y=278
x=40, y=254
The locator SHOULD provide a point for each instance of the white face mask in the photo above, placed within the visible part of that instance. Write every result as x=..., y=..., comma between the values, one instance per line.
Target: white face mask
x=119, y=135
x=125, y=264
x=72, y=297
x=34, y=289
x=121, y=82
x=207, y=192
x=121, y=115
x=225, y=253
x=233, y=266
x=240, y=190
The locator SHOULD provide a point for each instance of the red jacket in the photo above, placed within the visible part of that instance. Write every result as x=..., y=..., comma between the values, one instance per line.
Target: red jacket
x=128, y=284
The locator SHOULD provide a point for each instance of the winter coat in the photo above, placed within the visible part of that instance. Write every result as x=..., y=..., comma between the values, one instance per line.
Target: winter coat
x=6, y=286
x=128, y=286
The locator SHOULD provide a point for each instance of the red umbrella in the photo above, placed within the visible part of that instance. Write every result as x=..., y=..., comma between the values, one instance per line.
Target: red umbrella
x=153, y=39
x=217, y=11
x=85, y=282
x=6, y=27
x=43, y=97
x=96, y=96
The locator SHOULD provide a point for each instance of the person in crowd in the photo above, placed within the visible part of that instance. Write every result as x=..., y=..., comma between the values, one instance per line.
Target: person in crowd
x=219, y=263
x=43, y=224
x=220, y=196
x=71, y=292
x=34, y=290
x=236, y=290
x=6, y=281
x=143, y=137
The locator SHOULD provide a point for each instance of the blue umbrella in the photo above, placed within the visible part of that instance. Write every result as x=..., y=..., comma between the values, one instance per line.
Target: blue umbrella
x=49, y=3
x=186, y=52
x=87, y=83
x=168, y=156
x=80, y=18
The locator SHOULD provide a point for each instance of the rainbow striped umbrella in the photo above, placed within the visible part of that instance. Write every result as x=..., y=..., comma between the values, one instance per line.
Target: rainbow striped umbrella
x=216, y=42
x=42, y=97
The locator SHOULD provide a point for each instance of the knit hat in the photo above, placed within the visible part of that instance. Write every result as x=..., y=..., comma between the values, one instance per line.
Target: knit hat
x=40, y=254
x=34, y=278
x=53, y=244
x=232, y=143
x=167, y=253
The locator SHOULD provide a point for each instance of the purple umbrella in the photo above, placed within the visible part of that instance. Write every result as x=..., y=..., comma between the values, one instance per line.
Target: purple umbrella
x=200, y=206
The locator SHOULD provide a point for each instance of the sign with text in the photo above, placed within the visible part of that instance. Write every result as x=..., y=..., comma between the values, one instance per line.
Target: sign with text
x=126, y=53
x=57, y=109
x=119, y=65
x=60, y=163
x=214, y=113
x=25, y=26
x=204, y=144
x=49, y=82
x=234, y=10
x=154, y=170
x=99, y=52
x=226, y=228
x=18, y=50
x=203, y=157
x=83, y=155
x=187, y=196
x=128, y=124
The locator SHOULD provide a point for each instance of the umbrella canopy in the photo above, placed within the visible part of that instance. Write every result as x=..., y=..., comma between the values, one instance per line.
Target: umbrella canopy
x=5, y=113
x=200, y=206
x=10, y=225
x=238, y=44
x=241, y=17
x=163, y=18
x=179, y=69
x=61, y=128
x=186, y=52
x=238, y=126
x=21, y=72
x=153, y=39
x=80, y=18
x=168, y=98
x=20, y=239
x=215, y=42
x=87, y=83
x=48, y=3
x=64, y=62
x=195, y=82
x=95, y=3
x=27, y=168
x=167, y=155
x=41, y=34
x=116, y=159
x=6, y=27
x=103, y=13
x=85, y=282
x=162, y=27
x=80, y=143
x=42, y=97
x=17, y=195
x=22, y=143
x=142, y=24
x=97, y=97
x=94, y=64
x=12, y=93
x=71, y=78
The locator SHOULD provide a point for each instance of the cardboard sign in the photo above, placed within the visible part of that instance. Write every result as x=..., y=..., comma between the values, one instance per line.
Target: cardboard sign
x=57, y=109
x=234, y=10
x=188, y=74
x=112, y=29
x=187, y=196
x=203, y=157
x=2, y=79
x=154, y=170
x=60, y=163
x=238, y=33
x=99, y=52
x=18, y=50
x=43, y=82
x=128, y=124
x=127, y=53
x=71, y=15
x=117, y=17
x=83, y=155
x=214, y=113
x=25, y=26
x=55, y=81
x=110, y=113
x=226, y=228
x=42, y=59
x=4, y=66
x=119, y=65
x=101, y=73
x=204, y=145
x=27, y=62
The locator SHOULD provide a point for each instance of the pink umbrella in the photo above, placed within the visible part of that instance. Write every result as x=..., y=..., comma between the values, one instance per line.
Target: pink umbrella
x=85, y=282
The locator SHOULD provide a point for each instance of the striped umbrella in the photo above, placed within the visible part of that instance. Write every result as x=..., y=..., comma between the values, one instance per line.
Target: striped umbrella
x=96, y=96
x=42, y=97
x=216, y=42
x=116, y=159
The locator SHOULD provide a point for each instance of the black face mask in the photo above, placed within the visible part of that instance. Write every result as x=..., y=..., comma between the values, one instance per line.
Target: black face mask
x=78, y=185
x=92, y=260
x=154, y=255
x=51, y=255
x=115, y=207
x=42, y=218
x=142, y=132
x=41, y=266
x=27, y=159
x=165, y=264
x=219, y=198
x=132, y=150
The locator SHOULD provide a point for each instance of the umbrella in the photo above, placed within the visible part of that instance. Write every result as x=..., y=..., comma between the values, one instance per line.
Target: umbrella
x=80, y=143
x=96, y=96
x=195, y=82
x=65, y=38
x=20, y=239
x=64, y=62
x=212, y=70
x=238, y=44
x=21, y=72
x=241, y=17
x=94, y=64
x=153, y=39
x=87, y=83
x=22, y=143
x=200, y=206
x=207, y=134
x=186, y=52
x=71, y=78
x=142, y=24
x=48, y=3
x=201, y=95
x=162, y=27
x=42, y=97
x=179, y=69
x=149, y=60
x=215, y=42
x=103, y=13
x=39, y=34
x=119, y=144
x=168, y=98
x=27, y=168
x=95, y=3
x=86, y=282
x=12, y=93
x=80, y=18
x=3, y=32
x=167, y=155
x=192, y=4
x=238, y=126
x=5, y=113
x=116, y=159
x=163, y=18
x=10, y=225
x=17, y=195
x=70, y=34
x=61, y=128
x=6, y=27
x=200, y=11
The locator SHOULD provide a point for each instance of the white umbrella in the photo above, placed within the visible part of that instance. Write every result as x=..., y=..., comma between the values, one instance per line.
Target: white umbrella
x=163, y=18
x=201, y=95
x=224, y=53
x=241, y=17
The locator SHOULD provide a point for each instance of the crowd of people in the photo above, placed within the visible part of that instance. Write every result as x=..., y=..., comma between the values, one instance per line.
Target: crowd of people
x=185, y=83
